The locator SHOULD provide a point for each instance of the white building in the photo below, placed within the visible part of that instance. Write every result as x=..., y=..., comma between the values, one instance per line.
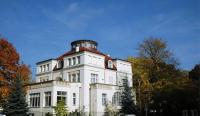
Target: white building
x=83, y=77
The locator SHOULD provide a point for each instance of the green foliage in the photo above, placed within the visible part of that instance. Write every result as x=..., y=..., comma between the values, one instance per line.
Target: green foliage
x=16, y=104
x=128, y=105
x=158, y=82
x=174, y=96
x=61, y=109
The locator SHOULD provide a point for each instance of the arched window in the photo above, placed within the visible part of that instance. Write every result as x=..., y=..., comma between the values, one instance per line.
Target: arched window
x=116, y=100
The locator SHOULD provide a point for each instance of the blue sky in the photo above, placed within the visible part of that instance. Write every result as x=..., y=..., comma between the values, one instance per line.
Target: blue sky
x=42, y=29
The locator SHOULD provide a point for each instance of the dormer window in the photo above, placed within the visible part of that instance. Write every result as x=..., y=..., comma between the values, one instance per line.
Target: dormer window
x=59, y=64
x=110, y=64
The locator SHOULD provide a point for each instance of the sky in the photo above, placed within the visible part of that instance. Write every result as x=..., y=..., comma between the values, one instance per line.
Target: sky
x=43, y=29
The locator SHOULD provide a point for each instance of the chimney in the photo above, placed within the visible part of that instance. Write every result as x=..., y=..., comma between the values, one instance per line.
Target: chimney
x=77, y=48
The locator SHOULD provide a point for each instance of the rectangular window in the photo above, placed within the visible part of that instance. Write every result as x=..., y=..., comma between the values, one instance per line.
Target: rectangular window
x=104, y=99
x=35, y=100
x=73, y=77
x=44, y=67
x=69, y=76
x=74, y=99
x=69, y=61
x=47, y=67
x=94, y=78
x=47, y=99
x=124, y=81
x=74, y=60
x=41, y=69
x=62, y=96
x=79, y=59
x=78, y=77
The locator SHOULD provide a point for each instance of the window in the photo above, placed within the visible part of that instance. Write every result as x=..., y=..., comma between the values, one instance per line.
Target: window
x=74, y=60
x=73, y=77
x=124, y=81
x=110, y=64
x=79, y=59
x=69, y=76
x=74, y=99
x=35, y=100
x=78, y=77
x=94, y=77
x=104, y=99
x=44, y=67
x=47, y=67
x=47, y=99
x=41, y=69
x=69, y=61
x=61, y=96
x=116, y=100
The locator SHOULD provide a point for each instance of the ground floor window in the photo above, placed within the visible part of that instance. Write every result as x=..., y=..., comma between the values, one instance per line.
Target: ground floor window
x=74, y=99
x=116, y=100
x=62, y=96
x=104, y=99
x=35, y=100
x=47, y=99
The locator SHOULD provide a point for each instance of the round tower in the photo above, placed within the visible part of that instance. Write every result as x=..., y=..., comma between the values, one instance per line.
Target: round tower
x=89, y=44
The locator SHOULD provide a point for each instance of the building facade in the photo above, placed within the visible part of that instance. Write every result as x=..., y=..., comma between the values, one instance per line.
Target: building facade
x=83, y=77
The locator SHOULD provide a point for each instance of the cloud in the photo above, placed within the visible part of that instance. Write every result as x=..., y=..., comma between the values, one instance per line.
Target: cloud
x=74, y=16
x=163, y=20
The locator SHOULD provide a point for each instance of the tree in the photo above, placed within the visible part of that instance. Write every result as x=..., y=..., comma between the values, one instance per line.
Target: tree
x=194, y=74
x=128, y=105
x=16, y=104
x=9, y=67
x=163, y=63
x=60, y=109
x=154, y=49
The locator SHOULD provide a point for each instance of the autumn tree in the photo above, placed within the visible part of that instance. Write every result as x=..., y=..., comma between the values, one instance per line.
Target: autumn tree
x=9, y=66
x=163, y=63
x=154, y=68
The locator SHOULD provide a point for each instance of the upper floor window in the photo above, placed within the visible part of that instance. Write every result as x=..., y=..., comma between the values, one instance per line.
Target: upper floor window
x=35, y=100
x=69, y=61
x=110, y=64
x=44, y=68
x=94, y=78
x=47, y=67
x=74, y=76
x=74, y=60
x=78, y=59
x=41, y=69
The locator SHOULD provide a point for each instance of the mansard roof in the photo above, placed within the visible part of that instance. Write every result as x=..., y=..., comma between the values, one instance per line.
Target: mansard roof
x=82, y=49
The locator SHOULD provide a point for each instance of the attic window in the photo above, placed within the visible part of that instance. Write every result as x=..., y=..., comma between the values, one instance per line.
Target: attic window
x=59, y=64
x=110, y=64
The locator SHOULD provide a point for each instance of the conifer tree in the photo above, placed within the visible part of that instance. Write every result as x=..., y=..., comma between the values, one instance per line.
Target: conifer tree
x=16, y=104
x=128, y=105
